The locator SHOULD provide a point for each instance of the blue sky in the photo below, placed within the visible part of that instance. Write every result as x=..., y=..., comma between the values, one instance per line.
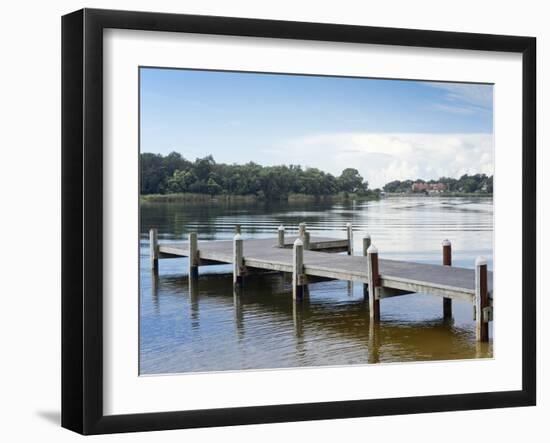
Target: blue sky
x=388, y=129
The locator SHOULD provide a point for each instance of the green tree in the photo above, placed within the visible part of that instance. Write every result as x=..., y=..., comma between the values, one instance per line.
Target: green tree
x=351, y=181
x=180, y=181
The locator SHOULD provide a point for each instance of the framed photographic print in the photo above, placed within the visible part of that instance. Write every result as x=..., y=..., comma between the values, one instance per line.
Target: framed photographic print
x=269, y=221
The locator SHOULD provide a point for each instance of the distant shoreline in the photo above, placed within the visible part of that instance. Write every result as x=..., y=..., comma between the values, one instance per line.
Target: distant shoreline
x=440, y=194
x=296, y=198
x=233, y=198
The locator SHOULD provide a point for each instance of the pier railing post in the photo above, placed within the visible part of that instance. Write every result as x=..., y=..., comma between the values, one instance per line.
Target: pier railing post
x=237, y=229
x=349, y=230
x=193, y=255
x=237, y=259
x=366, y=245
x=154, y=249
x=301, y=230
x=481, y=300
x=447, y=261
x=298, y=269
x=374, y=282
x=306, y=240
x=281, y=237
x=303, y=234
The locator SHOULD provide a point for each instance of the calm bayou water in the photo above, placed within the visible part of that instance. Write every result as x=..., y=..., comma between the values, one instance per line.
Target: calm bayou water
x=208, y=328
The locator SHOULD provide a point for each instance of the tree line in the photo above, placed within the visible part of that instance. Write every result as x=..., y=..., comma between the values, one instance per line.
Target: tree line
x=477, y=183
x=173, y=174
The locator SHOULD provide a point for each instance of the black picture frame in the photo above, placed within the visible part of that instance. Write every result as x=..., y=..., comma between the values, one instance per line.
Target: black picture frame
x=82, y=215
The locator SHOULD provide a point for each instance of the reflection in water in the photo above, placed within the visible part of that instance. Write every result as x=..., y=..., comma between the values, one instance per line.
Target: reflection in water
x=194, y=302
x=154, y=290
x=207, y=324
x=297, y=316
x=237, y=294
x=374, y=342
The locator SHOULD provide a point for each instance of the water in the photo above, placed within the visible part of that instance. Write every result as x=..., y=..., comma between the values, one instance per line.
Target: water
x=206, y=327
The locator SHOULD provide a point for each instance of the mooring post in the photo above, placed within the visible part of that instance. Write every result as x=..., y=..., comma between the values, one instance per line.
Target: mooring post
x=366, y=245
x=349, y=230
x=298, y=269
x=447, y=261
x=237, y=229
x=281, y=236
x=374, y=282
x=154, y=249
x=481, y=300
x=303, y=235
x=193, y=255
x=306, y=240
x=237, y=259
x=301, y=230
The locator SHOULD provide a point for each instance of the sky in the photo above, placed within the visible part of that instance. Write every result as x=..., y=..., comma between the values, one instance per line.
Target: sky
x=387, y=129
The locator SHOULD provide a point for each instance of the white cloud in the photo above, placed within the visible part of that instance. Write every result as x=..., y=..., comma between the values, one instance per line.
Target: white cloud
x=382, y=157
x=465, y=98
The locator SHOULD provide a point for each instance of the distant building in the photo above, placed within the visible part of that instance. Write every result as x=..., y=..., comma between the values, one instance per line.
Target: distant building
x=428, y=187
x=438, y=187
x=419, y=187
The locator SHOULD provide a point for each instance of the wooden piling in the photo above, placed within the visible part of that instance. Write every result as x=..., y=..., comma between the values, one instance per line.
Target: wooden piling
x=281, y=237
x=447, y=261
x=349, y=230
x=374, y=282
x=193, y=255
x=237, y=229
x=154, y=249
x=298, y=270
x=366, y=245
x=237, y=259
x=301, y=230
x=306, y=240
x=481, y=300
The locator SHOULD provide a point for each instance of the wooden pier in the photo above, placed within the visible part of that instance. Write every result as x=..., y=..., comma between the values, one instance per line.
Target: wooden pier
x=311, y=258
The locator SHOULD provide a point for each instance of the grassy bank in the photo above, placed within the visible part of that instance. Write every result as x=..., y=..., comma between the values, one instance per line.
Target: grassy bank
x=196, y=198
x=230, y=198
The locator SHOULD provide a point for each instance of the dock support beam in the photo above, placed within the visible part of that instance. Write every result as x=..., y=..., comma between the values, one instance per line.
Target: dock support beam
x=193, y=256
x=447, y=261
x=238, y=261
x=374, y=282
x=298, y=270
x=237, y=229
x=481, y=300
x=349, y=230
x=366, y=245
x=281, y=237
x=154, y=249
